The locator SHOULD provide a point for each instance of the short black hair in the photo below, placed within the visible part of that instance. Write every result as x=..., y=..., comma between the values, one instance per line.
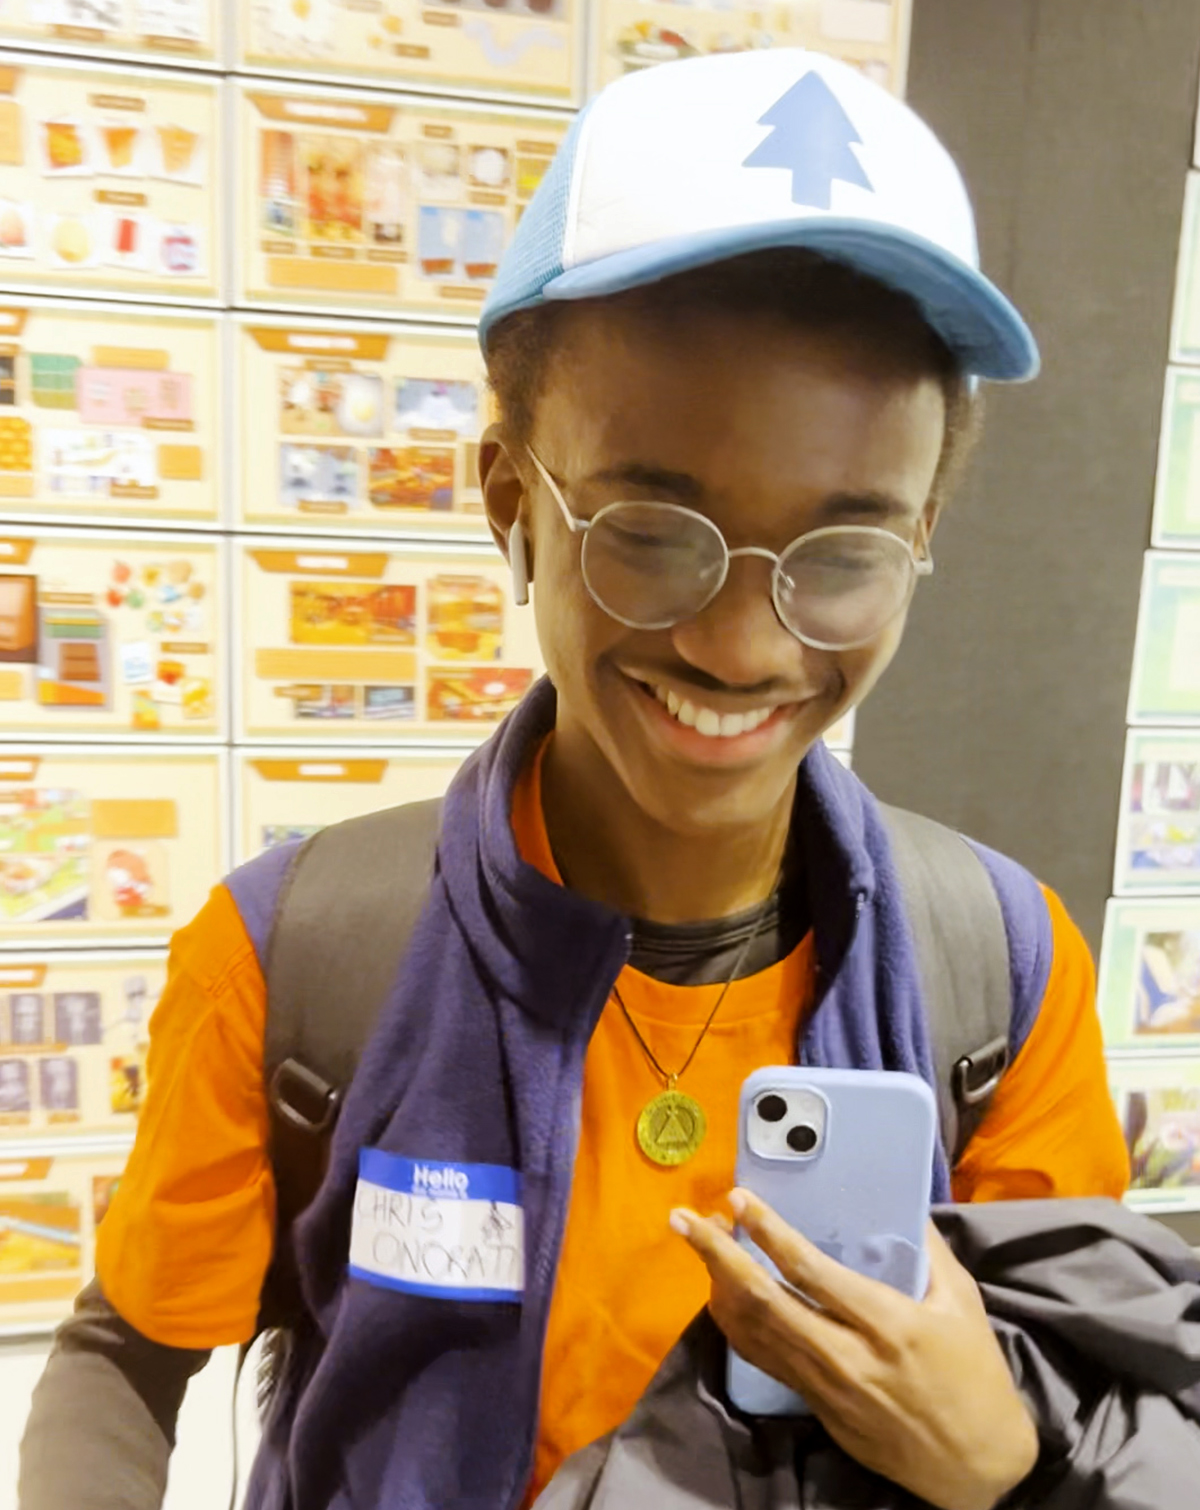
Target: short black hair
x=788, y=283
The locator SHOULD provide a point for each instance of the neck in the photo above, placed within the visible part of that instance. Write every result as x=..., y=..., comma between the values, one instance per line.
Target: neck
x=609, y=849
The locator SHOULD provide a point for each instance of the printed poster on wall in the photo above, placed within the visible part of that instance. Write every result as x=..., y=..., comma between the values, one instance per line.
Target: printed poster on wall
x=1158, y=1103
x=629, y=35
x=1185, y=335
x=50, y=1208
x=1177, y=490
x=354, y=201
x=74, y=1030
x=288, y=795
x=1166, y=657
x=111, y=633
x=529, y=48
x=108, y=181
x=183, y=31
x=1158, y=834
x=115, y=847
x=107, y=414
x=379, y=643
x=346, y=427
x=1149, y=992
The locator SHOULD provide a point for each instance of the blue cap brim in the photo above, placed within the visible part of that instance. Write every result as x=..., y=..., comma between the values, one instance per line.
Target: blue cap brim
x=975, y=320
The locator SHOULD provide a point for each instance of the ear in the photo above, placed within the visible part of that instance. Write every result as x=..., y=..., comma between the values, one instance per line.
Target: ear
x=503, y=491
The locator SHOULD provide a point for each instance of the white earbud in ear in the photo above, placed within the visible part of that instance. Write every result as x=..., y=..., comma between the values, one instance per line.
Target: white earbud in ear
x=518, y=564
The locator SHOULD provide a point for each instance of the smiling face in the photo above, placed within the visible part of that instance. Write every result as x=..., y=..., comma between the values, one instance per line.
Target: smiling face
x=770, y=430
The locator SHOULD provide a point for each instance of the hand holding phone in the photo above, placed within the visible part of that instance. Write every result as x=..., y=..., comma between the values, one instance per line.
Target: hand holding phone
x=915, y=1389
x=844, y=1157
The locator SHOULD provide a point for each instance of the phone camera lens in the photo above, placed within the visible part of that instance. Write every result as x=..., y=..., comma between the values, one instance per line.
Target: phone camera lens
x=771, y=1108
x=802, y=1138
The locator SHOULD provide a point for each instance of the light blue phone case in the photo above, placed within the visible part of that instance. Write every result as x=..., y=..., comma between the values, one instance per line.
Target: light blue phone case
x=862, y=1196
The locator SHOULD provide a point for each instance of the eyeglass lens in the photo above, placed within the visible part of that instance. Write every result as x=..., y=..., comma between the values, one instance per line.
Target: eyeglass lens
x=653, y=565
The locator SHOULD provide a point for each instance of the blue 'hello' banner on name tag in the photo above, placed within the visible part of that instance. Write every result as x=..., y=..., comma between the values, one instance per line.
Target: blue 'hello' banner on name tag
x=455, y=1231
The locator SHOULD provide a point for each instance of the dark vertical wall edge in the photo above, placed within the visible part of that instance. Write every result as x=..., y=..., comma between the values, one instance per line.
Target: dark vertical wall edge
x=1004, y=713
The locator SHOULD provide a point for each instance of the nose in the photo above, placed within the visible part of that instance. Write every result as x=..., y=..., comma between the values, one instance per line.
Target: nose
x=738, y=639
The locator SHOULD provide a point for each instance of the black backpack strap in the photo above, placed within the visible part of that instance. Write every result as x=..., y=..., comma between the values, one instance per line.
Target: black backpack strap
x=345, y=915
x=966, y=976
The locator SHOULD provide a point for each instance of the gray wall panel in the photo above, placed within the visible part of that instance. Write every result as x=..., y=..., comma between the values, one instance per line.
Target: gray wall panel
x=1004, y=713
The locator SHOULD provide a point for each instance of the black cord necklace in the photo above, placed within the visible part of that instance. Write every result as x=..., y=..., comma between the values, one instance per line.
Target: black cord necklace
x=671, y=1126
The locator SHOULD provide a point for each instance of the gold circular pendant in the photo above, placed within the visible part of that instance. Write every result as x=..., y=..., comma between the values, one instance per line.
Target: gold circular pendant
x=671, y=1128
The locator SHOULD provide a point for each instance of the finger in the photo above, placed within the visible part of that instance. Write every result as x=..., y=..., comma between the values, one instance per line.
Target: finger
x=949, y=1281
x=849, y=1297
x=745, y=1290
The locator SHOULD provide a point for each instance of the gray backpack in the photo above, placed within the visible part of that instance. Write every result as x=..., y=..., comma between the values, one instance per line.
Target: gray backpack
x=353, y=896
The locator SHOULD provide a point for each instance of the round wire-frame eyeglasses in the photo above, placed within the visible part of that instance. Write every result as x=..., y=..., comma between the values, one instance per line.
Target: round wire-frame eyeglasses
x=904, y=565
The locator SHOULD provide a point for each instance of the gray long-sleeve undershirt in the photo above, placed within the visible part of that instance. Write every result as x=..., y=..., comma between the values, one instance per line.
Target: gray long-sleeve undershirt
x=119, y=1394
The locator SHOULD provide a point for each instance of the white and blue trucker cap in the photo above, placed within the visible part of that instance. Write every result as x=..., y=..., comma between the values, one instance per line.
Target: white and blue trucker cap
x=689, y=164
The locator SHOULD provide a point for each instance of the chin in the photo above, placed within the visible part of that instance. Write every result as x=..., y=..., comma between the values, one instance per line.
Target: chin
x=699, y=804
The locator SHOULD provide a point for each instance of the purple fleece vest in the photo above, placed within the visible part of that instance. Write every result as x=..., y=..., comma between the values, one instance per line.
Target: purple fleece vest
x=408, y=1402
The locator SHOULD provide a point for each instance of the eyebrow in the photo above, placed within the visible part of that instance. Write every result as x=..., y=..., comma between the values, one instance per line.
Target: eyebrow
x=682, y=487
x=870, y=505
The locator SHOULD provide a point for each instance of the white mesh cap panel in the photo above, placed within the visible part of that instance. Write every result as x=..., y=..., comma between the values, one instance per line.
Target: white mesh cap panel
x=664, y=154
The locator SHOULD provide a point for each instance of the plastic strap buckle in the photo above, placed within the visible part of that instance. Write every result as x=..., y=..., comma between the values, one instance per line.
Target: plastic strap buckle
x=303, y=1099
x=975, y=1076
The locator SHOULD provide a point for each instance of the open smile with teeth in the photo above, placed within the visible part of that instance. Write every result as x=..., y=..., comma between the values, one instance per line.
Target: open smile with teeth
x=708, y=721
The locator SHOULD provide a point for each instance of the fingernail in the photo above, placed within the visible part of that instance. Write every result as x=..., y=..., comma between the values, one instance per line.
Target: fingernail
x=737, y=1202
x=681, y=1221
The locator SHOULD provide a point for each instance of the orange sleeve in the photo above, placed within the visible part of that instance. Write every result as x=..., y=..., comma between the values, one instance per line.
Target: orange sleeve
x=182, y=1253
x=1052, y=1129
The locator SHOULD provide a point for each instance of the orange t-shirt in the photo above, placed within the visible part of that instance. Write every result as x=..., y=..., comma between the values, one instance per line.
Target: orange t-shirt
x=627, y=1285
x=182, y=1252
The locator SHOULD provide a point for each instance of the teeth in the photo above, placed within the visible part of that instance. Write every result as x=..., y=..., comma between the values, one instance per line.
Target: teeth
x=708, y=721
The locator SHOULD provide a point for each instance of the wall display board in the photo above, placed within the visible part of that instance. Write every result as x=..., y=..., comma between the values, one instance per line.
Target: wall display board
x=1158, y=1103
x=1185, y=334
x=284, y=795
x=1158, y=835
x=183, y=31
x=1149, y=993
x=634, y=34
x=378, y=643
x=354, y=201
x=1166, y=657
x=111, y=633
x=50, y=1207
x=119, y=847
x=354, y=427
x=74, y=1029
x=107, y=414
x=1177, y=493
x=108, y=181
x=531, y=48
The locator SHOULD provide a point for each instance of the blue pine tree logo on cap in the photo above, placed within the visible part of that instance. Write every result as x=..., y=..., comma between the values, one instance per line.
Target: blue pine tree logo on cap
x=812, y=136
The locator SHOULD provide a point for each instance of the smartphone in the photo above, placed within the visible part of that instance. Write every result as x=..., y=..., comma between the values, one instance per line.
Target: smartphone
x=845, y=1157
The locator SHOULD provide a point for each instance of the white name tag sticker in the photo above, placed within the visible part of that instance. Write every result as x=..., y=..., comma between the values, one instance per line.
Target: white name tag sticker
x=451, y=1230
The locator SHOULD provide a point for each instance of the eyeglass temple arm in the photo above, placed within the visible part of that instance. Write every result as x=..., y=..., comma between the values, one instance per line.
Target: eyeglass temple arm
x=923, y=565
x=576, y=526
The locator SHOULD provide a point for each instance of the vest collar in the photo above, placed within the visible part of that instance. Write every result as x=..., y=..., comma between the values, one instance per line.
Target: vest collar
x=516, y=908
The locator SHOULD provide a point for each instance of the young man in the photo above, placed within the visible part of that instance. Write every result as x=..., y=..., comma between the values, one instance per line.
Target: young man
x=734, y=347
